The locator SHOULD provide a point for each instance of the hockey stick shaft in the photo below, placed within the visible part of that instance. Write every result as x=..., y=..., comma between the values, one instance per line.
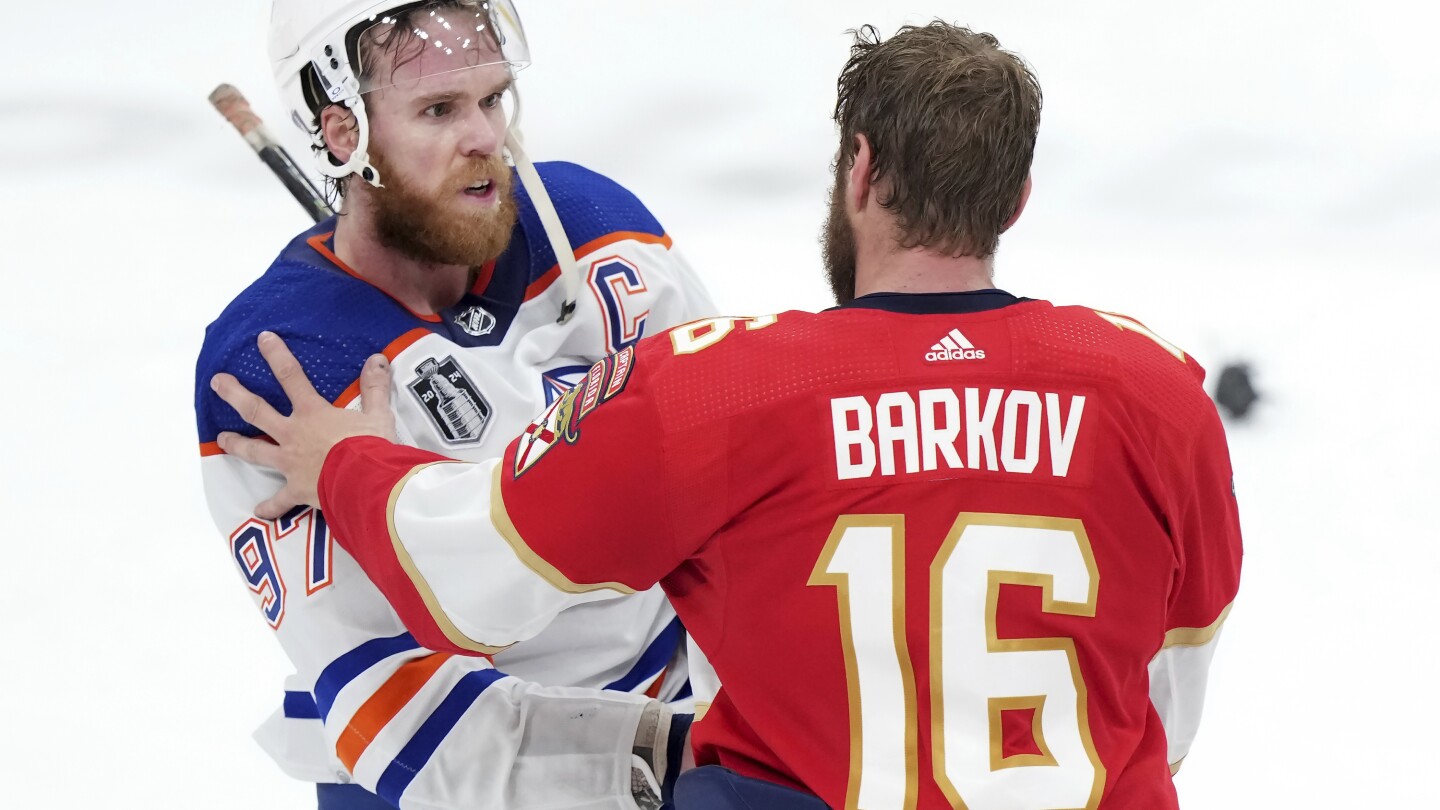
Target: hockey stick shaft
x=231, y=104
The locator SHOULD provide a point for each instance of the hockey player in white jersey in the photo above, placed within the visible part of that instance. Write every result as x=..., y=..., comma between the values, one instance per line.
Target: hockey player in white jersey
x=491, y=287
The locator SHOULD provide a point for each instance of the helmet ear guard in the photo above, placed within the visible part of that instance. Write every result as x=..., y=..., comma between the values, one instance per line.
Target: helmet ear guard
x=329, y=78
x=359, y=161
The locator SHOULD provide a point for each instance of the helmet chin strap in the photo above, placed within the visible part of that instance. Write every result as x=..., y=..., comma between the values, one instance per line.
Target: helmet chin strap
x=571, y=276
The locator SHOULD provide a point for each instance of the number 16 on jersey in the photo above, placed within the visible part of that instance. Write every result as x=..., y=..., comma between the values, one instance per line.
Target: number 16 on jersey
x=974, y=676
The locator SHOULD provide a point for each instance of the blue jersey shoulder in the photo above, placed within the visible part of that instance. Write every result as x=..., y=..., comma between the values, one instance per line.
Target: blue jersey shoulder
x=591, y=206
x=330, y=320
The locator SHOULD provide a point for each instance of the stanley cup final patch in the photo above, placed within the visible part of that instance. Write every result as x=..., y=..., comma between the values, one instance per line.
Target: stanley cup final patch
x=455, y=405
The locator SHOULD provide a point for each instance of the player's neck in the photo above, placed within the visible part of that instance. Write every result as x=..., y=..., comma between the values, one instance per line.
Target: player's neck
x=916, y=270
x=424, y=288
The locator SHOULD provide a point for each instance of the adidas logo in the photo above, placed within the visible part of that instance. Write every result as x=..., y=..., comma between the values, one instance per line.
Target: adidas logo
x=954, y=346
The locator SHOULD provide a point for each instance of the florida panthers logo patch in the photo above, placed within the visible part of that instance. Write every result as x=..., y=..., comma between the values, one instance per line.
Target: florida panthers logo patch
x=455, y=405
x=555, y=425
x=560, y=423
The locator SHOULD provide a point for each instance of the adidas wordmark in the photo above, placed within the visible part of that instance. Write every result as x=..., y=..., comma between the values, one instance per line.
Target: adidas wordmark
x=954, y=346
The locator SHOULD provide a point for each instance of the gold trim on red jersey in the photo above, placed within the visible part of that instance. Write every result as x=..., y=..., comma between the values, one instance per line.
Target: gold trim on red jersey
x=998, y=760
x=500, y=517
x=422, y=586
x=1195, y=636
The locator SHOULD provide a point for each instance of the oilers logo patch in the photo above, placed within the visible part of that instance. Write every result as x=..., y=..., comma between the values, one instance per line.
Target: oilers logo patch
x=455, y=405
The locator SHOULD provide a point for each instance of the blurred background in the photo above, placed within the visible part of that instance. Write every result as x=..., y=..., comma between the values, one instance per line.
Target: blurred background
x=1257, y=181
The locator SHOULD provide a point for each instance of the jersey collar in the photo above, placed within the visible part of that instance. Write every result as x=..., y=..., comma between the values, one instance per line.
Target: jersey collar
x=934, y=303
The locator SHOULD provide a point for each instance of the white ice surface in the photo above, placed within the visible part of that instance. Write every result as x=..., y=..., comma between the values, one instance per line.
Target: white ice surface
x=1252, y=179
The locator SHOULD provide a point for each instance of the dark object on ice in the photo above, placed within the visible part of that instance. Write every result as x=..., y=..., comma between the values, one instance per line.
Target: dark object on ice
x=1233, y=391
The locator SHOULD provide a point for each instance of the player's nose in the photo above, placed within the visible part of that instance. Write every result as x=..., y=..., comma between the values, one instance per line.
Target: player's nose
x=483, y=135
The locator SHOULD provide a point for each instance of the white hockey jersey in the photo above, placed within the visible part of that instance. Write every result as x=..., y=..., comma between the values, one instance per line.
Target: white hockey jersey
x=425, y=729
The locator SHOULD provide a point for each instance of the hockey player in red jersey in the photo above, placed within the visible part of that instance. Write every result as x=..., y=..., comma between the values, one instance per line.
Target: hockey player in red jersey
x=491, y=288
x=945, y=546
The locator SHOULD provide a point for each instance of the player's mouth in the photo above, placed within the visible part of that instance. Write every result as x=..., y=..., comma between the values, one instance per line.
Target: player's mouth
x=482, y=192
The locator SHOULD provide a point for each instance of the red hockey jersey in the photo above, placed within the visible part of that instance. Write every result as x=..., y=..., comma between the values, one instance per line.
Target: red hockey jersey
x=942, y=550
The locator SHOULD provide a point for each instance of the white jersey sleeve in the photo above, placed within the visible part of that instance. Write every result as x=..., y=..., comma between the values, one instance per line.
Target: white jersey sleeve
x=1179, y=675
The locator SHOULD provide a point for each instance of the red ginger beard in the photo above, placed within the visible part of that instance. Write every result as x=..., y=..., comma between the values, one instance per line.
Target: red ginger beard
x=438, y=227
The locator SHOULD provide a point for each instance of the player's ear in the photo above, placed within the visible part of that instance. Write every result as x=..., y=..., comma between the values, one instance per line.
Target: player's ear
x=1020, y=206
x=338, y=127
x=858, y=190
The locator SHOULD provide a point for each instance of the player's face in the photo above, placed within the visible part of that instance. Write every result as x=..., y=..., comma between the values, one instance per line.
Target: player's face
x=436, y=137
x=838, y=241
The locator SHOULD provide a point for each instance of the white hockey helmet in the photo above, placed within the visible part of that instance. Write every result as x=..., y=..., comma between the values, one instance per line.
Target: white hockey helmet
x=315, y=57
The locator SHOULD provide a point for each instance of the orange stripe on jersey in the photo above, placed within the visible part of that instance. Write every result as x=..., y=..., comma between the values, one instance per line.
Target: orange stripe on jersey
x=382, y=707
x=392, y=351
x=318, y=243
x=621, y=236
x=543, y=283
x=482, y=279
x=654, y=690
x=208, y=449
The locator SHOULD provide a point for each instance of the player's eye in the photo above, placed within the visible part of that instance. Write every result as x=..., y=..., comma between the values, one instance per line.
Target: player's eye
x=491, y=101
x=438, y=110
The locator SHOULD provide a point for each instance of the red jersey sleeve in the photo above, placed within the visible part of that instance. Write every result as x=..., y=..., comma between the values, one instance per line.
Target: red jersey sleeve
x=1208, y=535
x=644, y=518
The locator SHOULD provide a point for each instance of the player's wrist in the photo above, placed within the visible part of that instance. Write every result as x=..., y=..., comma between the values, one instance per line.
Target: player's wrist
x=662, y=738
x=361, y=456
